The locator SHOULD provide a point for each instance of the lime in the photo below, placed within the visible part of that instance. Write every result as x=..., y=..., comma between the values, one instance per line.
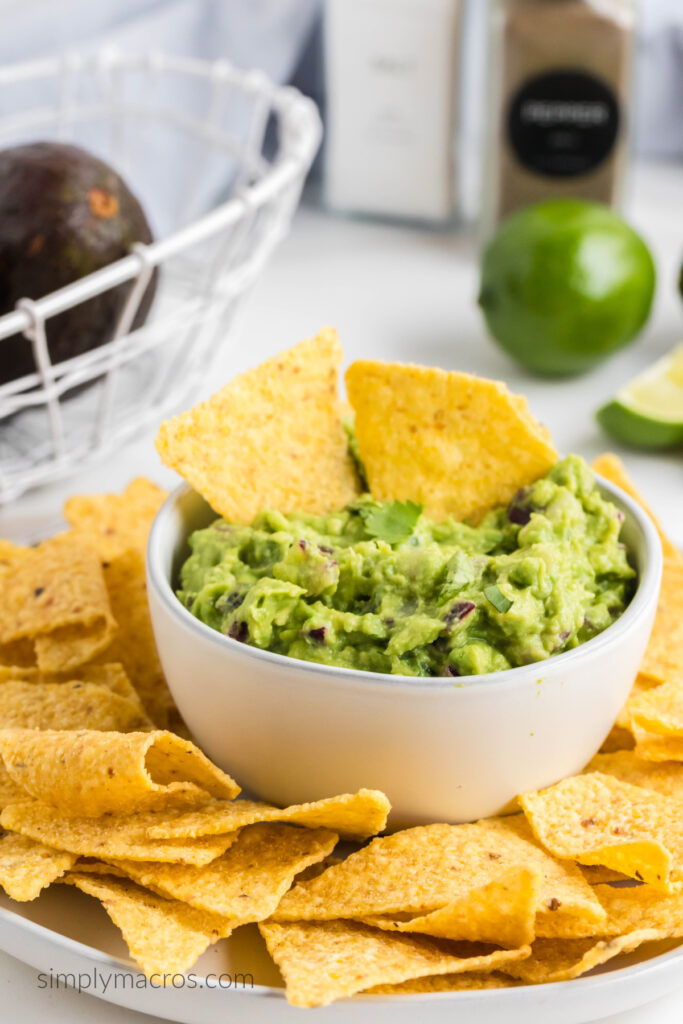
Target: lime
x=648, y=411
x=564, y=284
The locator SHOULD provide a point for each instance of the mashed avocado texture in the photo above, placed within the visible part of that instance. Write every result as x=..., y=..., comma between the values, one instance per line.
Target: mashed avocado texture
x=380, y=587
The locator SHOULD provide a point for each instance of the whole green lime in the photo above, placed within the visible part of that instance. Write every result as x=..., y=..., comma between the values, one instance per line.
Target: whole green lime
x=564, y=284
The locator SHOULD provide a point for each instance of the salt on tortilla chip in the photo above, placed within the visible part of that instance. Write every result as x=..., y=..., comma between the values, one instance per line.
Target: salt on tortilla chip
x=27, y=867
x=328, y=960
x=501, y=912
x=352, y=815
x=423, y=869
x=164, y=937
x=666, y=778
x=598, y=819
x=114, y=523
x=271, y=438
x=134, y=644
x=72, y=705
x=248, y=881
x=55, y=597
x=612, y=468
x=457, y=444
x=107, y=837
x=442, y=983
x=565, y=959
x=89, y=773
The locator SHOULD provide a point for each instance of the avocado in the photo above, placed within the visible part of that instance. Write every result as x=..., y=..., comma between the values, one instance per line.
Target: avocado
x=64, y=214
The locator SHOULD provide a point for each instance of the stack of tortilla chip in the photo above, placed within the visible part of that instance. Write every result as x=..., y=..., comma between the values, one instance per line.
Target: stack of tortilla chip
x=100, y=788
x=78, y=601
x=145, y=823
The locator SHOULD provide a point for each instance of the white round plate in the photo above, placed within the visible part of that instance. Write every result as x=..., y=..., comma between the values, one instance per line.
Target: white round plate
x=66, y=932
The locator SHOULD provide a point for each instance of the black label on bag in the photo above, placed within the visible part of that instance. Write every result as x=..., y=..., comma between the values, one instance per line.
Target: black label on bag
x=564, y=123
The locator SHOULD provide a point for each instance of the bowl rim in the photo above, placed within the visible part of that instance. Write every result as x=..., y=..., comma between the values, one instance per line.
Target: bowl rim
x=648, y=587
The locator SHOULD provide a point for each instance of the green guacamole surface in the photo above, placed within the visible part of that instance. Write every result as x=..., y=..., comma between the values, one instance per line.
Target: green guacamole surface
x=380, y=587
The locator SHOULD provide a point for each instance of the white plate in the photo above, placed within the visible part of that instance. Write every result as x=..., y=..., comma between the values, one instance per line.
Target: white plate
x=67, y=932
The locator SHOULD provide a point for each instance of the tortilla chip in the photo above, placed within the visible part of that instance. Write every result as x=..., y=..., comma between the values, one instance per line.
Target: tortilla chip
x=165, y=937
x=134, y=645
x=90, y=866
x=114, y=523
x=324, y=961
x=441, y=983
x=643, y=684
x=612, y=468
x=55, y=597
x=666, y=779
x=26, y=867
x=598, y=819
x=271, y=438
x=564, y=959
x=660, y=709
x=109, y=674
x=10, y=552
x=87, y=773
x=107, y=837
x=457, y=444
x=249, y=880
x=352, y=815
x=502, y=912
x=73, y=705
x=651, y=747
x=424, y=869
x=664, y=654
x=10, y=792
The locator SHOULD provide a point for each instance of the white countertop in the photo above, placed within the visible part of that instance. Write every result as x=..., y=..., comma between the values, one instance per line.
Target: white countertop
x=399, y=293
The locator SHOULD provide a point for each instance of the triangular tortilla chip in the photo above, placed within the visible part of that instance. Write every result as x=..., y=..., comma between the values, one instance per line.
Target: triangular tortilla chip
x=352, y=815
x=271, y=438
x=598, y=819
x=502, y=912
x=164, y=936
x=27, y=867
x=423, y=869
x=248, y=881
x=88, y=773
x=457, y=444
x=114, y=523
x=107, y=837
x=324, y=961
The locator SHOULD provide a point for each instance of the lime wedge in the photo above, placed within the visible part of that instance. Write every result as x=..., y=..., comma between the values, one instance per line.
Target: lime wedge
x=648, y=411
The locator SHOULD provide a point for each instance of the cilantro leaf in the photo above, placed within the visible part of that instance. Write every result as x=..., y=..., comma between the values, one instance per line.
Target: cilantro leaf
x=495, y=597
x=393, y=521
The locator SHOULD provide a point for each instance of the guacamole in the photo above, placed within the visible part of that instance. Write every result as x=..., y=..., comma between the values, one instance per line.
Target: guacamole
x=380, y=587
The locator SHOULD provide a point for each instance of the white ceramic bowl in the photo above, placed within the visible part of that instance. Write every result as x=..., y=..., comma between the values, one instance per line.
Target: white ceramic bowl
x=291, y=731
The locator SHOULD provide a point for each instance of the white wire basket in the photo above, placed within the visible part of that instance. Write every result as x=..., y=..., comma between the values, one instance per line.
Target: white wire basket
x=237, y=137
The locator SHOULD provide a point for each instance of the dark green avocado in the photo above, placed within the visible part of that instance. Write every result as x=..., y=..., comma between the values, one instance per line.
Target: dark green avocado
x=64, y=214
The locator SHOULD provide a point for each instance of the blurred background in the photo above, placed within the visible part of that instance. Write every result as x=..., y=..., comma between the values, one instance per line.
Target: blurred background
x=441, y=118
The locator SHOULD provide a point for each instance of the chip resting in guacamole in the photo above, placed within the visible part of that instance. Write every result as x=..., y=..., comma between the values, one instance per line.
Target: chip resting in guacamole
x=381, y=587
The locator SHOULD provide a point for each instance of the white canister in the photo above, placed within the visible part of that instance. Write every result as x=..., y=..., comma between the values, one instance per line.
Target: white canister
x=392, y=97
